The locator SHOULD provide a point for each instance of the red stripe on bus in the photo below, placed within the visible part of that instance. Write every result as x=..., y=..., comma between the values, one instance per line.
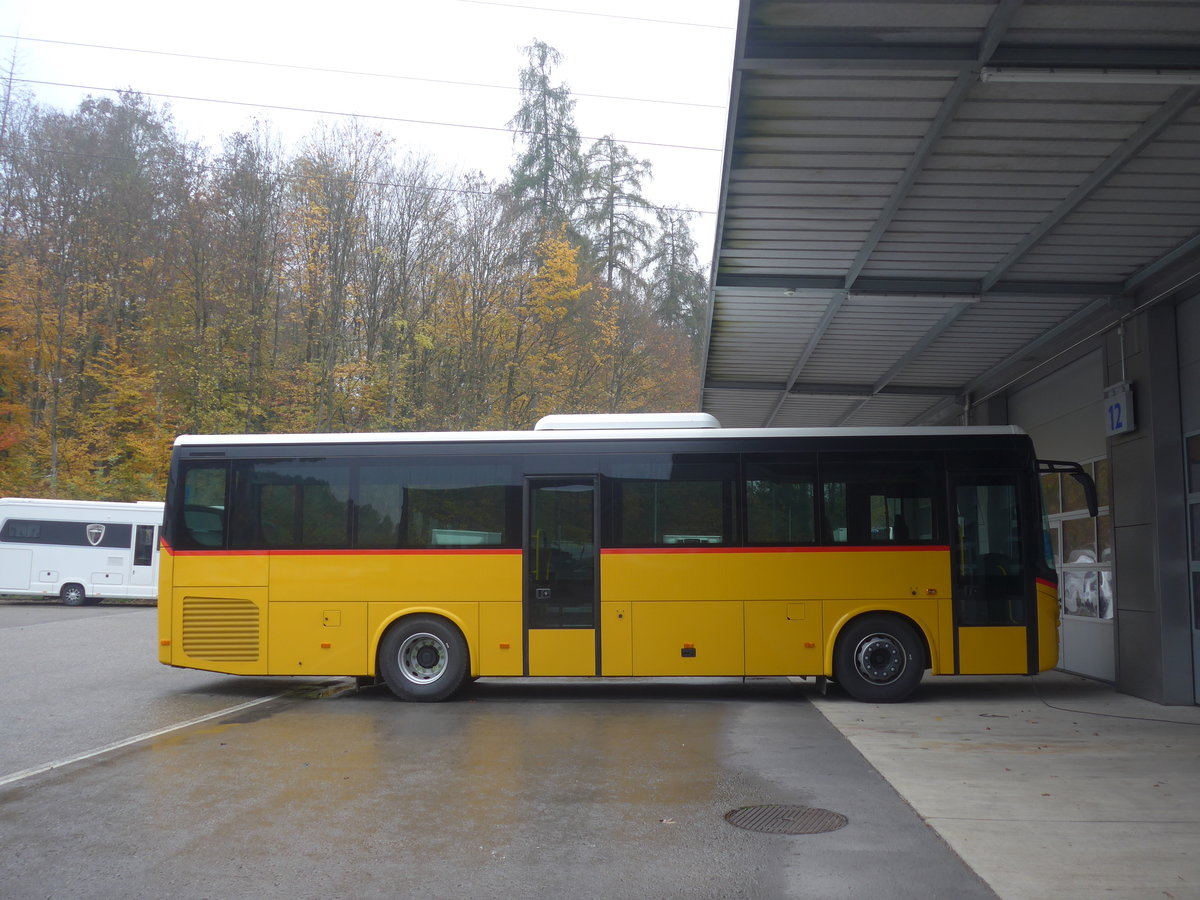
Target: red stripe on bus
x=684, y=549
x=1045, y=583
x=446, y=552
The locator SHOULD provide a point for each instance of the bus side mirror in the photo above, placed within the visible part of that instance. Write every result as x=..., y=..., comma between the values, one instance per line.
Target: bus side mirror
x=1075, y=470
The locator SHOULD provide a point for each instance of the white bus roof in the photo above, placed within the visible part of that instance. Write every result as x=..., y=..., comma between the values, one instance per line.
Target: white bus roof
x=573, y=434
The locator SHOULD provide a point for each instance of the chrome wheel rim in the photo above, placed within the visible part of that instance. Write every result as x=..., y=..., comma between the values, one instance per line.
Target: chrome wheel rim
x=880, y=658
x=422, y=658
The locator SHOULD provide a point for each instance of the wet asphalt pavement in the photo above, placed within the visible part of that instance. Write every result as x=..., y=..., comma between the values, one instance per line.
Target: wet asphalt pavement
x=522, y=788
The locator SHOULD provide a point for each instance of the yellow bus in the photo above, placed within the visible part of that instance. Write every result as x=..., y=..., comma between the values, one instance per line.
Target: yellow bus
x=610, y=546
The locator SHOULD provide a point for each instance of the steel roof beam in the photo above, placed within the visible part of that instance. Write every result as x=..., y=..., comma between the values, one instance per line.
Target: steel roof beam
x=949, y=318
x=918, y=286
x=996, y=27
x=831, y=310
x=1140, y=277
x=831, y=389
x=781, y=55
x=1179, y=101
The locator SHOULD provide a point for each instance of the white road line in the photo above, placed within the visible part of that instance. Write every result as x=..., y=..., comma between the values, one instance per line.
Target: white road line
x=59, y=763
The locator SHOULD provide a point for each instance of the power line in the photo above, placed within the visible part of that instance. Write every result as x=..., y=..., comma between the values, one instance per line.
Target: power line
x=213, y=167
x=580, y=12
x=340, y=114
x=352, y=72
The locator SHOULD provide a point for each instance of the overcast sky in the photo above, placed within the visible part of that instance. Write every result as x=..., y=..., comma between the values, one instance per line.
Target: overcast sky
x=393, y=57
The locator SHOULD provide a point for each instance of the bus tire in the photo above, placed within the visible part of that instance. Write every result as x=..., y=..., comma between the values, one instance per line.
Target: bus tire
x=424, y=659
x=73, y=595
x=879, y=659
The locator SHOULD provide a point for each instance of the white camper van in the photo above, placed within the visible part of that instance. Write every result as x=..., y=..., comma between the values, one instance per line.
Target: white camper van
x=82, y=551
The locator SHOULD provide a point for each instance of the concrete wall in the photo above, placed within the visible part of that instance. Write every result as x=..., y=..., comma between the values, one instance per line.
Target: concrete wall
x=1064, y=412
x=1153, y=614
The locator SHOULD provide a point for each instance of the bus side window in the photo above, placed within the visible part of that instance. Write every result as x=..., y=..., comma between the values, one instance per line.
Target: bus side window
x=293, y=504
x=661, y=501
x=202, y=526
x=780, y=503
x=872, y=501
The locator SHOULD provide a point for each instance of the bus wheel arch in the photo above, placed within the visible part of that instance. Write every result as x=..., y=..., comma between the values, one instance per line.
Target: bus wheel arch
x=73, y=594
x=880, y=657
x=423, y=658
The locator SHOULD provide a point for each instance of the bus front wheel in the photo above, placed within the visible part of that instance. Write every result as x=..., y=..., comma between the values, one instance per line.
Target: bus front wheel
x=879, y=659
x=73, y=595
x=423, y=658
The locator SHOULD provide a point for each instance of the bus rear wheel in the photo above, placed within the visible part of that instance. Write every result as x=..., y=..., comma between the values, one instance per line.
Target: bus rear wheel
x=423, y=658
x=73, y=595
x=879, y=659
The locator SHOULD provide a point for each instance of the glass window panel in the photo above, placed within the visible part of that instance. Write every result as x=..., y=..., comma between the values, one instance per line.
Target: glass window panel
x=324, y=515
x=1104, y=538
x=1195, y=509
x=1051, y=502
x=276, y=515
x=202, y=526
x=681, y=504
x=1102, y=473
x=143, y=545
x=470, y=502
x=1073, y=497
x=1196, y=599
x=990, y=585
x=868, y=502
x=1105, y=577
x=1080, y=593
x=1079, y=541
x=379, y=509
x=780, y=503
x=294, y=504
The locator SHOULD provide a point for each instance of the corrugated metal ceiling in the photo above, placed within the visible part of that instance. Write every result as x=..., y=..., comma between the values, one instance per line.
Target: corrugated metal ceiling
x=923, y=200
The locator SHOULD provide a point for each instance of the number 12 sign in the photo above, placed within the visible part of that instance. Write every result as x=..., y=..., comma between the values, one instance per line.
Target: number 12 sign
x=1118, y=409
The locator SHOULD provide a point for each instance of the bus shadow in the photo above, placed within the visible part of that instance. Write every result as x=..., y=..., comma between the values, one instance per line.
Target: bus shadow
x=624, y=690
x=948, y=690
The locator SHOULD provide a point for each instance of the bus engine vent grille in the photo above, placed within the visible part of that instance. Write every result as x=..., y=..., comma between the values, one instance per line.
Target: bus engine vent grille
x=221, y=629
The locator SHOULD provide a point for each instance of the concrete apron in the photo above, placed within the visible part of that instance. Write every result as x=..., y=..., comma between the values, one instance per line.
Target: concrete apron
x=1054, y=786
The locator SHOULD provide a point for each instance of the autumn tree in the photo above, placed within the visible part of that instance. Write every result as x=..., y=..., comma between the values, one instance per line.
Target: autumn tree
x=150, y=286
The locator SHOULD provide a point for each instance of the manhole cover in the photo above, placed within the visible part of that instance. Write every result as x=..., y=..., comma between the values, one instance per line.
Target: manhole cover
x=786, y=819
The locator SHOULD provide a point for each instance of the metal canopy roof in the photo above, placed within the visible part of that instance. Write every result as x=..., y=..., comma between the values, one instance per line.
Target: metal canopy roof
x=922, y=201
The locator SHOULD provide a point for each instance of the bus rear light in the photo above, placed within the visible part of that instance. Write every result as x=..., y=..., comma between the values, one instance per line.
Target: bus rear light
x=504, y=646
x=165, y=642
x=325, y=645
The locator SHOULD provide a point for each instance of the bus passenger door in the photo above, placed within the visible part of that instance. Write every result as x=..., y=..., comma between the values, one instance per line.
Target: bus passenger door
x=561, y=550
x=995, y=621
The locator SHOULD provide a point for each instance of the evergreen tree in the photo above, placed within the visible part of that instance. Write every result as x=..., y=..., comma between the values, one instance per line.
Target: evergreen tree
x=615, y=215
x=677, y=288
x=548, y=175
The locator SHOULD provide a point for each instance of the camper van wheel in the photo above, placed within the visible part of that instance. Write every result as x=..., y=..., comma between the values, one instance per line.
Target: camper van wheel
x=73, y=595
